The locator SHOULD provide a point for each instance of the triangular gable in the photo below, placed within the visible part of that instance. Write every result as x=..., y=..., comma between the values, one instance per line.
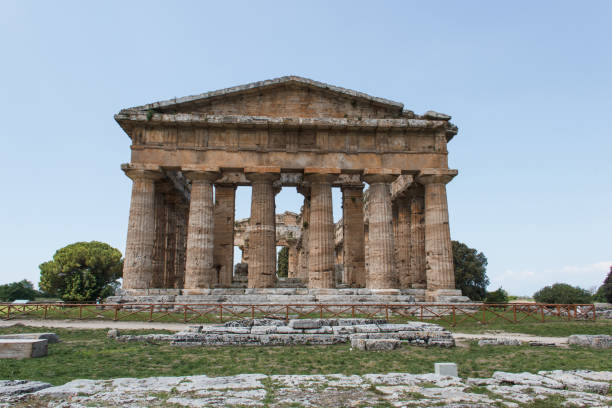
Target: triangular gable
x=289, y=96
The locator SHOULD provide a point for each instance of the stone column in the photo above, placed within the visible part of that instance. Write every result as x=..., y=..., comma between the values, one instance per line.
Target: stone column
x=182, y=216
x=225, y=196
x=200, y=272
x=401, y=228
x=321, y=260
x=353, y=236
x=174, y=201
x=438, y=247
x=293, y=260
x=417, y=238
x=262, y=231
x=159, y=248
x=305, y=219
x=138, y=264
x=381, y=273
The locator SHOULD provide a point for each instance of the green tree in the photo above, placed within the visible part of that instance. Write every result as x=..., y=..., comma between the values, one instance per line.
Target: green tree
x=604, y=293
x=470, y=271
x=497, y=296
x=18, y=290
x=82, y=271
x=282, y=263
x=562, y=293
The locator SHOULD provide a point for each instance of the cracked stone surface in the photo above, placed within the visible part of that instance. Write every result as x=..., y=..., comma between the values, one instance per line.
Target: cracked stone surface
x=581, y=388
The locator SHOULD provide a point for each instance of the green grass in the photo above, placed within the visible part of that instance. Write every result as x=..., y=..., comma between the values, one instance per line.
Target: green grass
x=89, y=354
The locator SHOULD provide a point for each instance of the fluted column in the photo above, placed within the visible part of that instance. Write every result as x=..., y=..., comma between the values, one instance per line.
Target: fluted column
x=417, y=237
x=303, y=256
x=438, y=247
x=353, y=235
x=174, y=201
x=262, y=231
x=225, y=196
x=159, y=248
x=138, y=264
x=293, y=260
x=381, y=273
x=200, y=272
x=401, y=228
x=321, y=259
x=182, y=216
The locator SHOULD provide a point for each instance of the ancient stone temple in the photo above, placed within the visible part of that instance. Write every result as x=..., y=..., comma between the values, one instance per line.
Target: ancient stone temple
x=189, y=154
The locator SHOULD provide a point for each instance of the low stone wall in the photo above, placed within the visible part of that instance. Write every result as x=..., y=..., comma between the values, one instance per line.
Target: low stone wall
x=270, y=332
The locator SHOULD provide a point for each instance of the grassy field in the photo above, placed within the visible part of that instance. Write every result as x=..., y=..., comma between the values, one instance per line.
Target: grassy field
x=89, y=354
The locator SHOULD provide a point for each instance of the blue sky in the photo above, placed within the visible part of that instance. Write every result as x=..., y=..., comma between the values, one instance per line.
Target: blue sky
x=528, y=83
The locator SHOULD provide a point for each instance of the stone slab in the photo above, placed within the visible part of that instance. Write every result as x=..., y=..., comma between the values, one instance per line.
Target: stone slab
x=449, y=369
x=23, y=348
x=51, y=337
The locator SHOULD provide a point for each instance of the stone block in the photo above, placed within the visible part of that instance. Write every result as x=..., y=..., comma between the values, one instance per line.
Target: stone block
x=499, y=342
x=23, y=348
x=600, y=341
x=447, y=369
x=375, y=344
x=305, y=323
x=51, y=337
x=263, y=329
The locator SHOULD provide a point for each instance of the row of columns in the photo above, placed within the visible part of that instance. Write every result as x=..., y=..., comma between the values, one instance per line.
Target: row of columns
x=398, y=236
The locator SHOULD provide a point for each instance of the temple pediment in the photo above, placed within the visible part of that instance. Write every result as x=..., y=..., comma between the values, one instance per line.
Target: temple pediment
x=289, y=96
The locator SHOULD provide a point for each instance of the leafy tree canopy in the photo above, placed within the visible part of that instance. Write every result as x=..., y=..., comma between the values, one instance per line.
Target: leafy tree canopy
x=470, y=271
x=497, y=296
x=18, y=290
x=562, y=293
x=82, y=271
x=282, y=264
x=604, y=293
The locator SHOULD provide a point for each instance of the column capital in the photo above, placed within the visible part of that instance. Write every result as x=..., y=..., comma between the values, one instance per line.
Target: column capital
x=431, y=176
x=379, y=178
x=142, y=171
x=320, y=177
x=352, y=189
x=261, y=177
x=201, y=175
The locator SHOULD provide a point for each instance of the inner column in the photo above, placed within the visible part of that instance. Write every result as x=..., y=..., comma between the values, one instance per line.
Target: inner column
x=225, y=197
x=262, y=231
x=353, y=235
x=403, y=240
x=321, y=232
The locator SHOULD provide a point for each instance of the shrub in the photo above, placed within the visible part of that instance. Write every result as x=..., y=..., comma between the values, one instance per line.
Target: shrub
x=18, y=290
x=82, y=271
x=497, y=296
x=562, y=293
